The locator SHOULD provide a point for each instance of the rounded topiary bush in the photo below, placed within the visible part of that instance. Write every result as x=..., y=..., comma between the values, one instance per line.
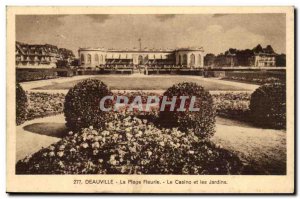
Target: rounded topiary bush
x=201, y=122
x=268, y=106
x=21, y=104
x=82, y=105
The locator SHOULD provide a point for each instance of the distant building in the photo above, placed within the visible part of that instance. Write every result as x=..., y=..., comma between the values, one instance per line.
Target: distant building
x=263, y=57
x=40, y=56
x=257, y=57
x=188, y=57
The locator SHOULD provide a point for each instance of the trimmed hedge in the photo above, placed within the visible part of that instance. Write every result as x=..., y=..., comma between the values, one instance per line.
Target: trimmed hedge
x=268, y=106
x=21, y=104
x=82, y=105
x=202, y=122
x=23, y=75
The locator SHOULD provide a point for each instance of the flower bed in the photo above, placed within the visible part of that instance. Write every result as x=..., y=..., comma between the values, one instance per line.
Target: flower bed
x=232, y=105
x=256, y=77
x=44, y=104
x=227, y=104
x=129, y=145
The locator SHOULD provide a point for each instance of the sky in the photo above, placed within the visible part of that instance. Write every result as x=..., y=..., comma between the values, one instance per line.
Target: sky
x=216, y=33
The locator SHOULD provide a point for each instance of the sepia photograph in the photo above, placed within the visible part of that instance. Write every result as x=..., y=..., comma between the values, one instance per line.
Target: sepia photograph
x=184, y=97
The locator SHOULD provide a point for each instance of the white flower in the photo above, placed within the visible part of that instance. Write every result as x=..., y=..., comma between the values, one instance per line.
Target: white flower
x=62, y=147
x=91, y=127
x=98, y=138
x=95, y=152
x=112, y=160
x=90, y=137
x=70, y=132
x=61, y=164
x=132, y=149
x=128, y=135
x=105, y=133
x=51, y=154
x=191, y=152
x=139, y=134
x=123, y=169
x=85, y=145
x=60, y=153
x=95, y=145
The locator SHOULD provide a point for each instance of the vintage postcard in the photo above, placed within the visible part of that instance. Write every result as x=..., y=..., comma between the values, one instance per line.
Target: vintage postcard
x=150, y=99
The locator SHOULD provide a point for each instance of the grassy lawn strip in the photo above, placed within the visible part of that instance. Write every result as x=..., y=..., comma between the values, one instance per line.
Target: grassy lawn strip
x=145, y=83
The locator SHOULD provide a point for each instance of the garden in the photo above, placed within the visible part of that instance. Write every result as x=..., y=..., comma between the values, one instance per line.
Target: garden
x=154, y=142
x=254, y=77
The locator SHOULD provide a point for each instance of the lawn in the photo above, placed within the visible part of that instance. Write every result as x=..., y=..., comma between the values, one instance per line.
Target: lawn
x=147, y=83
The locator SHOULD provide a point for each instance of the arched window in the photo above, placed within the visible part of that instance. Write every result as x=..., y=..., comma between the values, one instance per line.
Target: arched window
x=184, y=59
x=101, y=59
x=89, y=58
x=192, y=61
x=97, y=58
x=82, y=58
x=140, y=59
x=199, y=60
x=179, y=60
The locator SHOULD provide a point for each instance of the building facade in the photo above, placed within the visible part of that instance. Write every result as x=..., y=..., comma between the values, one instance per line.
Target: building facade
x=40, y=56
x=263, y=57
x=188, y=57
x=257, y=57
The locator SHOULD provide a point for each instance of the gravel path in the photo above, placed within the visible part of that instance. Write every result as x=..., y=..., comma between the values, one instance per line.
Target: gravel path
x=264, y=149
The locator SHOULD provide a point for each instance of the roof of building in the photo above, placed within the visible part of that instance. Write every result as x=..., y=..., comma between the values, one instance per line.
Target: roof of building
x=267, y=50
x=42, y=49
x=141, y=50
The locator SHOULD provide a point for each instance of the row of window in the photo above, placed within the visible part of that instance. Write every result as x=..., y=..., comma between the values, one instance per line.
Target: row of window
x=32, y=58
x=182, y=60
x=102, y=57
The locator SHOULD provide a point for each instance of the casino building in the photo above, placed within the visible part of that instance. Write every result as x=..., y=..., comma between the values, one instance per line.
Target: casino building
x=186, y=57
